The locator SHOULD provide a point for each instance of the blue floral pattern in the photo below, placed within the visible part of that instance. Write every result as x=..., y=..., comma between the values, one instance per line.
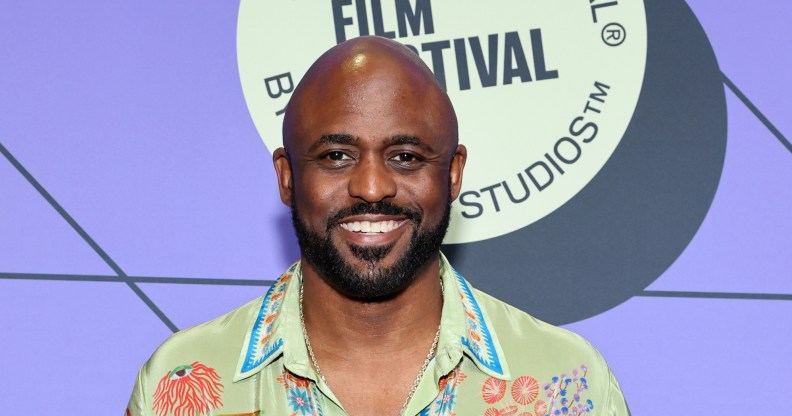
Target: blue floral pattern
x=443, y=405
x=301, y=394
x=565, y=393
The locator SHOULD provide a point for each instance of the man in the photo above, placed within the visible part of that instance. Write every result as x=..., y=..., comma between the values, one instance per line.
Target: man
x=373, y=320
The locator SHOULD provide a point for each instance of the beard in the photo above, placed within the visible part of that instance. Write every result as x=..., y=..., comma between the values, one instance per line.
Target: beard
x=374, y=282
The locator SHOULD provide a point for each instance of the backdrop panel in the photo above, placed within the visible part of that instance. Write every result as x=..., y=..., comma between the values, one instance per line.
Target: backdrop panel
x=137, y=195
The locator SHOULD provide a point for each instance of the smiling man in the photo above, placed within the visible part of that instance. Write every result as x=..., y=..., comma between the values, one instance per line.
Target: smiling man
x=373, y=320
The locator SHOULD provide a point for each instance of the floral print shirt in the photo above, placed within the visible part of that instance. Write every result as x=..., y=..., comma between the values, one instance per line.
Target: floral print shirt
x=491, y=359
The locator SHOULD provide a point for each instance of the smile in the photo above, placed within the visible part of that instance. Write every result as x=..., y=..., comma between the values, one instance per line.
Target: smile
x=370, y=227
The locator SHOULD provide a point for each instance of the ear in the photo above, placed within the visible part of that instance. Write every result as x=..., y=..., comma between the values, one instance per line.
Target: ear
x=455, y=172
x=283, y=169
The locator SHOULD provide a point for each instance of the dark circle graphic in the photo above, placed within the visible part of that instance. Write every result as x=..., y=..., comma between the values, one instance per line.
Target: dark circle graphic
x=637, y=215
x=613, y=34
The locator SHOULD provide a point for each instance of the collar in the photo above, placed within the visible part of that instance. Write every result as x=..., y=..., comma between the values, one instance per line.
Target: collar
x=466, y=327
x=276, y=330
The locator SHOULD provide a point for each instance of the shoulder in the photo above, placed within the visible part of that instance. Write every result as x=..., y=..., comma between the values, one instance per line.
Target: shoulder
x=521, y=333
x=555, y=360
x=214, y=345
x=195, y=364
x=224, y=332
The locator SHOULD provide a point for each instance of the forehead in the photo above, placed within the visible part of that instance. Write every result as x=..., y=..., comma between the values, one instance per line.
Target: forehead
x=371, y=99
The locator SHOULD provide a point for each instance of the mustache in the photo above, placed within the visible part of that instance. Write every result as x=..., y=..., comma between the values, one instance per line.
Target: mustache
x=381, y=208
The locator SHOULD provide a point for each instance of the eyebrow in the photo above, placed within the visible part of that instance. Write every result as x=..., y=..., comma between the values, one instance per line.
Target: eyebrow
x=334, y=139
x=348, y=139
x=402, y=139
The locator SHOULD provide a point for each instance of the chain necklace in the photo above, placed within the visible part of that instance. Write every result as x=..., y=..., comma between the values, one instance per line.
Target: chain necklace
x=418, y=378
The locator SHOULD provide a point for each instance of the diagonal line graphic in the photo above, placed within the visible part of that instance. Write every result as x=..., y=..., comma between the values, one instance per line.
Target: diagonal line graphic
x=756, y=112
x=714, y=295
x=264, y=283
x=136, y=279
x=87, y=238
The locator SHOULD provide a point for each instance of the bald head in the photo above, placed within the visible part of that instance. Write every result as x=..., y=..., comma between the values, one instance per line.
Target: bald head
x=370, y=75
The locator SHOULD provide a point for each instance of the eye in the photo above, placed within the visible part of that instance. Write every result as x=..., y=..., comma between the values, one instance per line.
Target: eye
x=337, y=156
x=405, y=157
x=180, y=372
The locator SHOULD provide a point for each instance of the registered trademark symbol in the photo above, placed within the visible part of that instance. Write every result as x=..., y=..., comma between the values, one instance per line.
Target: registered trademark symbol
x=613, y=34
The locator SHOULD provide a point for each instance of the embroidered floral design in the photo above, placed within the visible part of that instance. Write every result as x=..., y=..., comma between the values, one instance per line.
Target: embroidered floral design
x=188, y=390
x=506, y=411
x=540, y=408
x=524, y=393
x=524, y=390
x=566, y=394
x=287, y=380
x=444, y=403
x=301, y=394
x=261, y=345
x=493, y=390
x=299, y=401
x=479, y=340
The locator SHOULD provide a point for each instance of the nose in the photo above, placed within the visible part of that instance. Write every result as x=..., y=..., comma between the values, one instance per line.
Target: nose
x=372, y=180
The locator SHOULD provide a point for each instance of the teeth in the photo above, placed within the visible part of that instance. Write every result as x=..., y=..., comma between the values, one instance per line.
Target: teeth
x=369, y=227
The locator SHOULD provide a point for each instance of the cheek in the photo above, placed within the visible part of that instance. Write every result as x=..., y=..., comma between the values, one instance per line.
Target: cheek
x=429, y=193
x=318, y=196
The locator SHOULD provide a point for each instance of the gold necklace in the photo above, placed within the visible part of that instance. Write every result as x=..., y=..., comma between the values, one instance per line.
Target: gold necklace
x=418, y=378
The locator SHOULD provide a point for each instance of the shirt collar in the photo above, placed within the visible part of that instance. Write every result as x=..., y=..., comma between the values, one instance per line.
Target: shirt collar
x=264, y=339
x=464, y=329
x=465, y=325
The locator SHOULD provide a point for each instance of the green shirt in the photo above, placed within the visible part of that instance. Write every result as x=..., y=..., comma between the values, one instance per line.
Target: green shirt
x=491, y=359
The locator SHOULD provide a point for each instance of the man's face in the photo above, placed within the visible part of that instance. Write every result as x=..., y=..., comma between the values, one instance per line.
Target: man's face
x=372, y=174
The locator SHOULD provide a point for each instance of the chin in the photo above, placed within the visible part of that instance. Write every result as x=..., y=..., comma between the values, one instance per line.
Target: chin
x=371, y=272
x=368, y=278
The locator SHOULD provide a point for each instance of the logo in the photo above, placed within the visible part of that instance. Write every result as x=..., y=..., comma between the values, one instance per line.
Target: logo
x=581, y=124
x=543, y=98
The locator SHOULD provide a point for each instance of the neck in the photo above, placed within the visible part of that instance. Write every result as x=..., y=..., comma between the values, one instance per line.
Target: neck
x=338, y=325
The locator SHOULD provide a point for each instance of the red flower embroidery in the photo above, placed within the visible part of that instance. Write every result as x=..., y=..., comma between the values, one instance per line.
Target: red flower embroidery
x=459, y=377
x=493, y=390
x=289, y=380
x=506, y=411
x=540, y=407
x=524, y=390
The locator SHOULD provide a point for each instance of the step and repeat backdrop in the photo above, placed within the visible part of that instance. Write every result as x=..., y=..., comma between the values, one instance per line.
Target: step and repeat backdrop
x=628, y=178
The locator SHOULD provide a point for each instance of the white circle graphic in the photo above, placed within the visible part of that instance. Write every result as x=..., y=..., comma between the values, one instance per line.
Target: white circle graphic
x=543, y=89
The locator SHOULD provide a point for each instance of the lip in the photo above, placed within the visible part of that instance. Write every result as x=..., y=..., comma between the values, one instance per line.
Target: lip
x=351, y=229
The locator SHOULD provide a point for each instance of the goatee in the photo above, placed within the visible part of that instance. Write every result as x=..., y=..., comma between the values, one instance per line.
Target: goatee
x=374, y=282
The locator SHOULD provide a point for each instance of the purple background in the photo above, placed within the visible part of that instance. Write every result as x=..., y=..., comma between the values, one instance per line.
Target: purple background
x=132, y=117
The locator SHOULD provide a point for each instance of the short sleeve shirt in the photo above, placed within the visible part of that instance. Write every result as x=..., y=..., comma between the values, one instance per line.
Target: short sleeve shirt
x=491, y=359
